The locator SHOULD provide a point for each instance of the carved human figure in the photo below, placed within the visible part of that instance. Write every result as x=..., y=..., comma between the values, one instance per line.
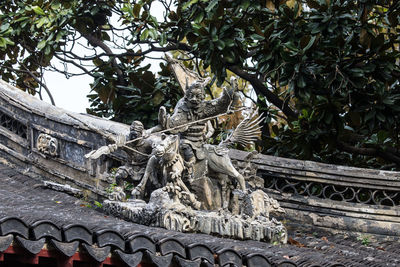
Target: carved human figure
x=165, y=169
x=138, y=154
x=192, y=107
x=163, y=155
x=193, y=135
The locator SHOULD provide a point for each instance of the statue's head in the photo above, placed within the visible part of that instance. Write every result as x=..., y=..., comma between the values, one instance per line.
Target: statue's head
x=167, y=148
x=194, y=94
x=136, y=130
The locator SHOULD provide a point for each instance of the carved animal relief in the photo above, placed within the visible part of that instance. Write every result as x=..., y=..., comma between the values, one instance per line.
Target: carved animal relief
x=47, y=144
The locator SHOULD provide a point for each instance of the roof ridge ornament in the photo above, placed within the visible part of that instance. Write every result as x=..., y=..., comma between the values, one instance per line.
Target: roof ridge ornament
x=186, y=184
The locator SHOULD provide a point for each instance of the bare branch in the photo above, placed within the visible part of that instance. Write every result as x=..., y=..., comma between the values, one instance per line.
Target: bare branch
x=94, y=41
x=75, y=64
x=263, y=90
x=368, y=151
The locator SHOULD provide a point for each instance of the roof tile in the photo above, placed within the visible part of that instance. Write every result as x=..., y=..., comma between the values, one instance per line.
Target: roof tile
x=32, y=247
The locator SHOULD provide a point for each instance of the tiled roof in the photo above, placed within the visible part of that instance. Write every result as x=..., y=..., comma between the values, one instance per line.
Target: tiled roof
x=34, y=217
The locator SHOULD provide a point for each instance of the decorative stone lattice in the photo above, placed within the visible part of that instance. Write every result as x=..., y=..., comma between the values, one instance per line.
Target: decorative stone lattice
x=13, y=125
x=331, y=191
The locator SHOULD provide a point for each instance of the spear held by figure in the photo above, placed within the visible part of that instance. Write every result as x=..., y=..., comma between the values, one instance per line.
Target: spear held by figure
x=120, y=140
x=184, y=77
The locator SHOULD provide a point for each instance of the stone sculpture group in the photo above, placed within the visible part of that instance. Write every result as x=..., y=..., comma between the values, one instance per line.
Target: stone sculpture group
x=184, y=184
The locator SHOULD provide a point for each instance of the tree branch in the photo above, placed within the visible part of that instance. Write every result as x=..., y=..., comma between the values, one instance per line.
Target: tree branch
x=178, y=46
x=369, y=151
x=36, y=79
x=263, y=90
x=41, y=84
x=94, y=41
x=75, y=64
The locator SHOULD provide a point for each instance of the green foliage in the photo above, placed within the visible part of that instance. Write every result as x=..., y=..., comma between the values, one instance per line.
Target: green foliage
x=98, y=204
x=341, y=69
x=111, y=188
x=364, y=239
x=326, y=72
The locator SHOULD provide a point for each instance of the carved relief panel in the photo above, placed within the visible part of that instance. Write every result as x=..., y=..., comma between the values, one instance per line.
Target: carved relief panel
x=47, y=144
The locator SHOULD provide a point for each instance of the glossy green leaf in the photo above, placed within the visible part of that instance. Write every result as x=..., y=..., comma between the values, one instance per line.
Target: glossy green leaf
x=211, y=5
x=38, y=10
x=41, y=44
x=144, y=35
x=220, y=45
x=257, y=37
x=310, y=43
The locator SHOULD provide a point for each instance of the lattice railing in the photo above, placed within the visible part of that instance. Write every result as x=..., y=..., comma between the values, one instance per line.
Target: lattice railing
x=13, y=125
x=330, y=191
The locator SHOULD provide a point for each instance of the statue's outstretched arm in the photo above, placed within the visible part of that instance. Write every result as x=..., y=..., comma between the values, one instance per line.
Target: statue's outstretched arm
x=226, y=100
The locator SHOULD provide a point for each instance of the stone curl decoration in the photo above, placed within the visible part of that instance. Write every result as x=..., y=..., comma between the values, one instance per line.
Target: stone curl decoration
x=47, y=144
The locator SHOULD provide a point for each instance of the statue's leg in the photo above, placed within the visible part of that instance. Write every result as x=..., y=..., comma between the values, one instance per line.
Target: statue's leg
x=223, y=164
x=223, y=180
x=138, y=191
x=241, y=181
x=188, y=154
x=189, y=160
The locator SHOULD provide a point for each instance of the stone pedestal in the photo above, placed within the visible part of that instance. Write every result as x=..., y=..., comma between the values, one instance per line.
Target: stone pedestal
x=163, y=212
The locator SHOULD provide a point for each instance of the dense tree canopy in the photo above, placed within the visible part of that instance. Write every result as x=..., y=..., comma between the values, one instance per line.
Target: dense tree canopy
x=326, y=72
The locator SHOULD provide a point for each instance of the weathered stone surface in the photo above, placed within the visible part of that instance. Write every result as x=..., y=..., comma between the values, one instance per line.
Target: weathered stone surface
x=209, y=222
x=193, y=186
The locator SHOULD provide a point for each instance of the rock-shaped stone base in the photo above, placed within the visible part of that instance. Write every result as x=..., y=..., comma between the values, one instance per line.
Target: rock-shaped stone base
x=182, y=219
x=223, y=224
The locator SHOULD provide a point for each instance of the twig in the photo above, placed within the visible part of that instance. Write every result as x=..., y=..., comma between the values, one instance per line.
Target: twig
x=39, y=82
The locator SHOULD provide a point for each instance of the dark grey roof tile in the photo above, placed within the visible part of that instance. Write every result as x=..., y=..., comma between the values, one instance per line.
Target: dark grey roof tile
x=159, y=261
x=200, y=251
x=286, y=263
x=130, y=259
x=46, y=228
x=171, y=245
x=98, y=254
x=77, y=232
x=5, y=242
x=33, y=247
x=181, y=262
x=67, y=249
x=256, y=259
x=205, y=263
x=110, y=237
x=141, y=243
x=229, y=257
x=13, y=225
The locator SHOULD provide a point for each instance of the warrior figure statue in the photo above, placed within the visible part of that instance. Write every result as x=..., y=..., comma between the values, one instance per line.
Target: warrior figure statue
x=185, y=184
